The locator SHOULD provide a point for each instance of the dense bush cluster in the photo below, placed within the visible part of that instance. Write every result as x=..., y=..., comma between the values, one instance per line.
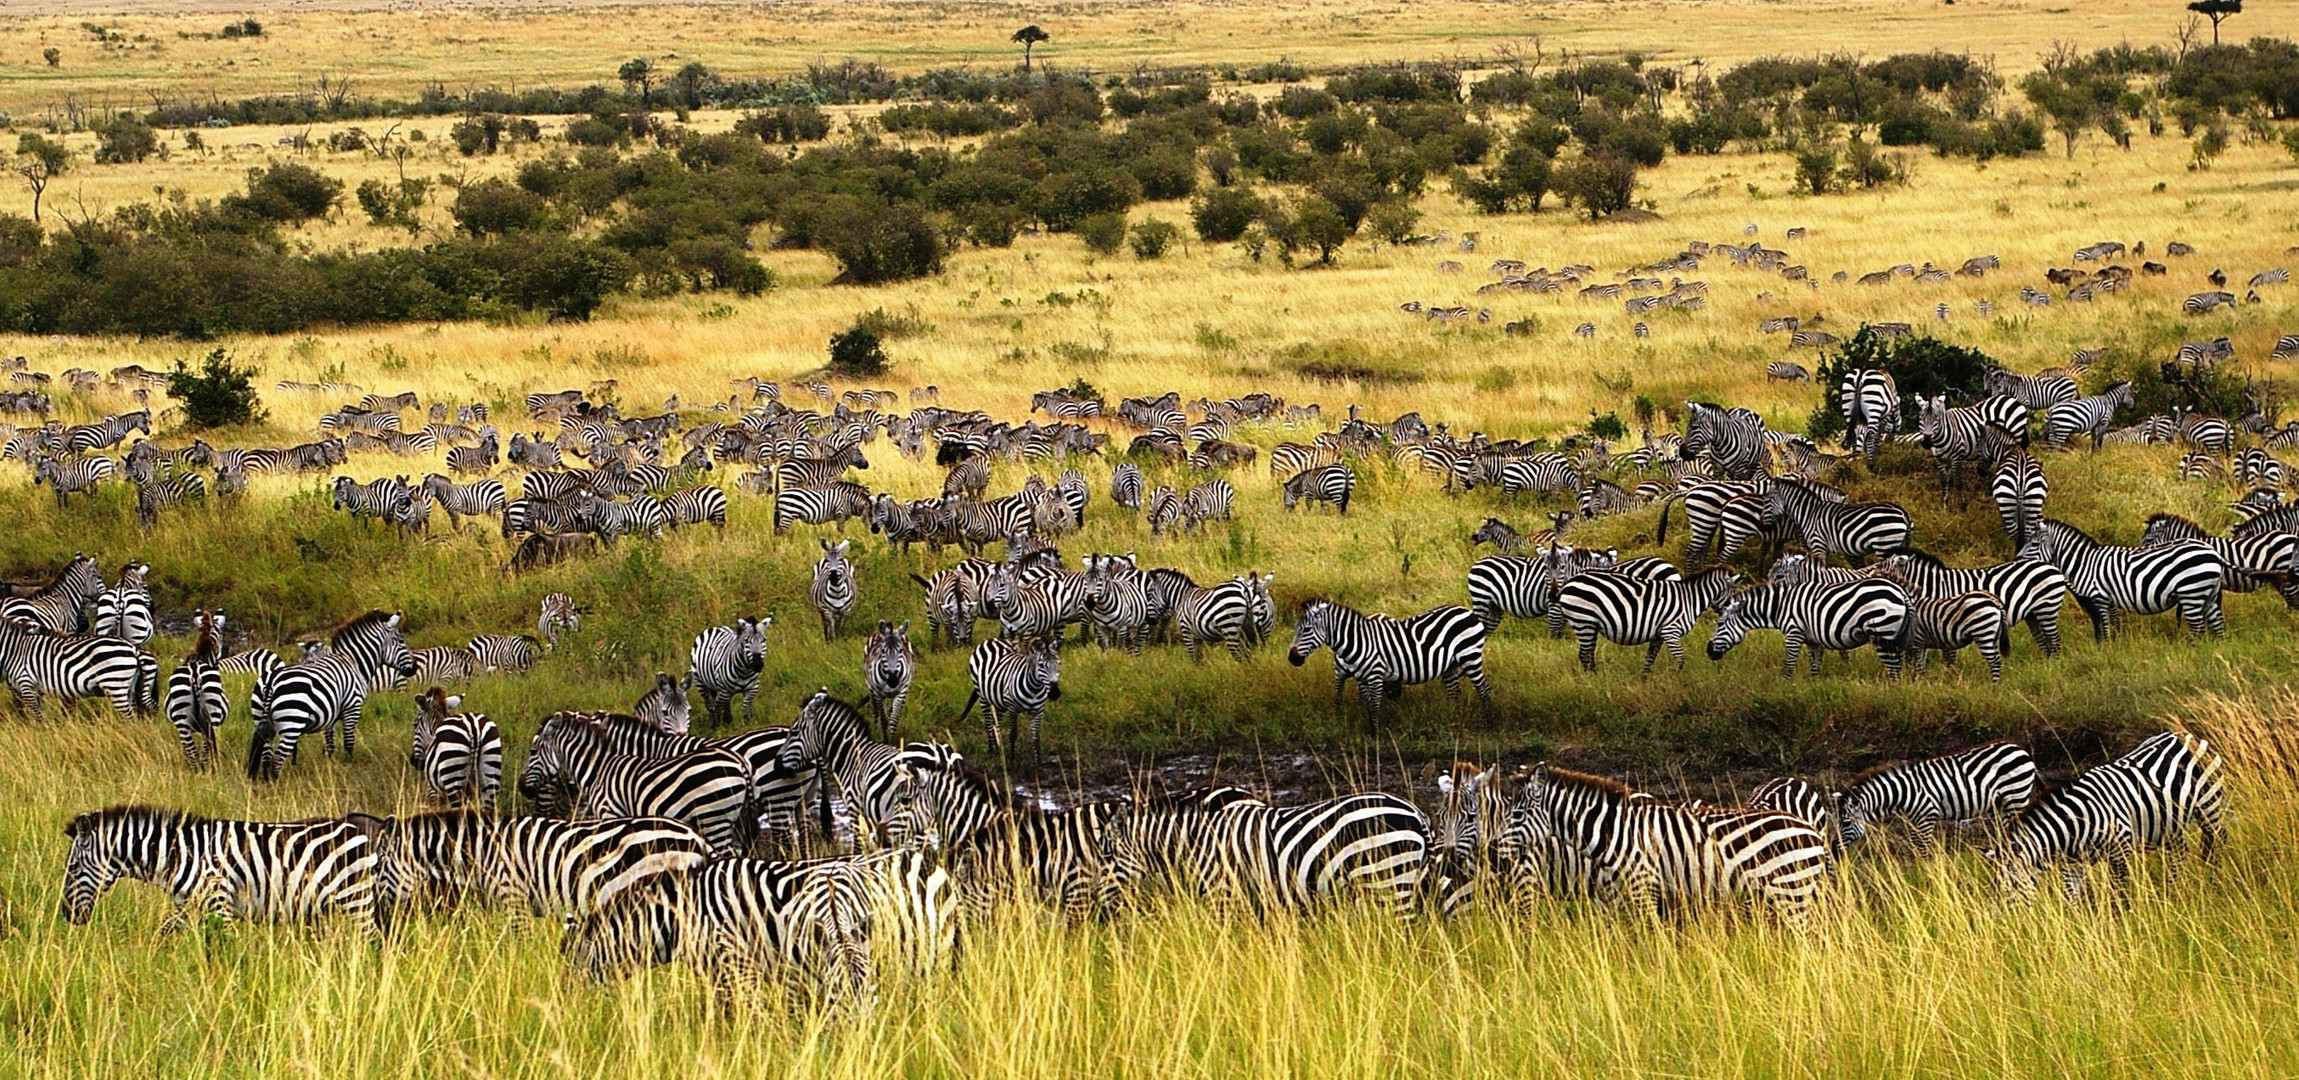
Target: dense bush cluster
x=1919, y=366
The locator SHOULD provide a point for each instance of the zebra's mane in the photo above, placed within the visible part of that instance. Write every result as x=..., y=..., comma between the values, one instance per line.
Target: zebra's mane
x=2168, y=516
x=1602, y=786
x=2070, y=530
x=967, y=776
x=132, y=812
x=208, y=646
x=56, y=579
x=1870, y=773
x=357, y=625
x=1920, y=557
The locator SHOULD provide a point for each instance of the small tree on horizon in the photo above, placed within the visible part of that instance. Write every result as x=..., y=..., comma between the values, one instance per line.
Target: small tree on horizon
x=38, y=160
x=2216, y=10
x=1029, y=36
x=639, y=73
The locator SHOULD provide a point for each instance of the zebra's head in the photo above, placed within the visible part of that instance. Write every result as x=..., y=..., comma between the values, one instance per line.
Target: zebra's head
x=1046, y=665
x=543, y=778
x=666, y=707
x=1461, y=794
x=431, y=706
x=1495, y=532
x=1731, y=627
x=344, y=486
x=834, y=568
x=113, y=843
x=1309, y=634
x=639, y=928
x=750, y=643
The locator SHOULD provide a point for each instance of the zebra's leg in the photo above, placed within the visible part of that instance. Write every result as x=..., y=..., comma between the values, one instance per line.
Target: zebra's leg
x=1992, y=651
x=2044, y=626
x=1370, y=687
x=2102, y=616
x=1924, y=831
x=351, y=720
x=749, y=699
x=1795, y=644
x=2215, y=617
x=1037, y=748
x=1651, y=653
x=1588, y=651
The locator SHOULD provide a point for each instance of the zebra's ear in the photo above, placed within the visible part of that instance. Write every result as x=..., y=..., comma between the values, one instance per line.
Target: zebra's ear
x=393, y=621
x=455, y=701
x=1445, y=784
x=903, y=629
x=826, y=544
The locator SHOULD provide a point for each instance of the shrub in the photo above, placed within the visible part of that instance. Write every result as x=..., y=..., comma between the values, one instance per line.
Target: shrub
x=126, y=140
x=1104, y=234
x=1816, y=168
x=1393, y=220
x=894, y=326
x=218, y=395
x=1598, y=184
x=1151, y=238
x=1608, y=426
x=495, y=206
x=289, y=192
x=855, y=353
x=877, y=242
x=1222, y=215
x=1918, y=366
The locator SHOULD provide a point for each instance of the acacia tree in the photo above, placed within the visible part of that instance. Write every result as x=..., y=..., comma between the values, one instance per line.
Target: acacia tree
x=39, y=159
x=2216, y=10
x=1029, y=36
x=639, y=73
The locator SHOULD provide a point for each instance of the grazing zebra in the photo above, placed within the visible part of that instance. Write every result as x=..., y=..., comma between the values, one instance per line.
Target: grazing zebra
x=2019, y=489
x=287, y=872
x=2144, y=800
x=322, y=692
x=474, y=459
x=819, y=505
x=708, y=789
x=1870, y=401
x=1209, y=501
x=1013, y=678
x=2030, y=591
x=2205, y=353
x=968, y=478
x=1540, y=473
x=1853, y=530
x=1223, y=613
x=665, y=707
x=999, y=848
x=696, y=506
x=888, y=667
x=504, y=652
x=2261, y=557
x=1633, y=610
x=1384, y=653
x=74, y=476
x=1817, y=617
x=1526, y=586
x=1732, y=440
x=643, y=516
x=58, y=607
x=1949, y=623
x=1798, y=798
x=954, y=598
x=124, y=611
x=443, y=663
x=1165, y=510
x=1323, y=483
x=1650, y=856
x=2089, y=414
x=2207, y=301
x=725, y=661
x=2106, y=579
x=476, y=498
x=1126, y=485
x=1600, y=498
x=1295, y=858
x=459, y=755
x=2208, y=434
x=1992, y=780
x=833, y=591
x=159, y=494
x=2038, y=392
x=2286, y=347
x=196, y=705
x=68, y=666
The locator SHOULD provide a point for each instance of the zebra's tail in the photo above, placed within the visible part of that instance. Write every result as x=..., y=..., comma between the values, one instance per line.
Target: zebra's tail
x=970, y=700
x=923, y=583
x=257, y=744
x=1660, y=536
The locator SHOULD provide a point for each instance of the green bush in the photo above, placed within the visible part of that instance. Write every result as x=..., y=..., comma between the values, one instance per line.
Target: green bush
x=1151, y=238
x=1919, y=366
x=494, y=206
x=876, y=242
x=855, y=353
x=1104, y=234
x=1223, y=214
x=126, y=140
x=218, y=395
x=290, y=193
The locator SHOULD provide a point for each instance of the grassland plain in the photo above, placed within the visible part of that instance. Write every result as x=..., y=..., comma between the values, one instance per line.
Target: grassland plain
x=1918, y=973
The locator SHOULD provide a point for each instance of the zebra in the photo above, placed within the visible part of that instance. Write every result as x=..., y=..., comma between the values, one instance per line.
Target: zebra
x=1817, y=617
x=1540, y=473
x=1039, y=601
x=161, y=493
x=559, y=613
x=291, y=872
x=1381, y=652
x=383, y=497
x=1853, y=530
x=727, y=660
x=2286, y=347
x=1996, y=779
x=888, y=667
x=1467, y=834
x=643, y=516
x=37, y=665
x=2030, y=591
x=1223, y=613
x=2144, y=800
x=459, y=755
x=1209, y=501
x=2263, y=557
x=1638, y=611
x=2088, y=414
x=665, y=707
x=1733, y=440
x=2105, y=578
x=479, y=497
x=999, y=848
x=2207, y=301
x=1949, y=623
x=1117, y=601
x=478, y=459
x=831, y=742
x=196, y=705
x=1599, y=498
x=1526, y=586
x=1323, y=483
x=778, y=794
x=2038, y=392
x=696, y=506
x=707, y=789
x=124, y=611
x=968, y=478
x=819, y=505
x=1126, y=485
x=1243, y=850
x=1646, y=854
x=1870, y=402
x=504, y=652
x=1798, y=798
x=833, y=592
x=979, y=524
x=1165, y=509
x=1014, y=678
x=1985, y=431
x=2205, y=353
x=2019, y=488
x=325, y=691
x=74, y=476
x=954, y=597
x=444, y=663
x=107, y=432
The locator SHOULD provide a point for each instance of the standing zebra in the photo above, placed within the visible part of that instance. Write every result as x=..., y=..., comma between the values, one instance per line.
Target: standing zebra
x=1870, y=401
x=492, y=653
x=60, y=606
x=1731, y=439
x=828, y=503
x=459, y=755
x=778, y=795
x=2106, y=578
x=727, y=660
x=1224, y=613
x=1000, y=848
x=325, y=691
x=665, y=707
x=1271, y=858
x=2030, y=591
x=1209, y=501
x=1632, y=610
x=1853, y=530
x=1165, y=510
x=158, y=494
x=559, y=613
x=703, y=505
x=1117, y=601
x=291, y=872
x=196, y=705
x=1949, y=623
x=2019, y=489
x=124, y=611
x=830, y=741
x=1126, y=485
x=73, y=476
x=476, y=498
x=708, y=789
x=1996, y=779
x=1014, y=678
x=1381, y=652
x=888, y=666
x=1646, y=854
x=954, y=598
x=1323, y=483
x=1818, y=616
x=39, y=666
x=2144, y=800
x=2254, y=559
x=833, y=592
x=1798, y=797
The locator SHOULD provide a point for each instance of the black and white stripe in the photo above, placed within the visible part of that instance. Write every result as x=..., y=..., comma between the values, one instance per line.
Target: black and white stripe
x=383, y=497
x=1243, y=851
x=459, y=755
x=1818, y=616
x=2255, y=558
x=2145, y=800
x=889, y=665
x=1323, y=483
x=2019, y=488
x=60, y=606
x=1014, y=678
x=1000, y=849
x=504, y=652
x=778, y=794
x=830, y=503
x=322, y=692
x=72, y=476
x=1870, y=402
x=1039, y=600
x=1126, y=485
x=725, y=661
x=1993, y=781
x=1855, y=531
x=954, y=598
x=41, y=666
x=1386, y=654
x=1949, y=623
x=1731, y=439
x=479, y=497
x=1117, y=601
x=2030, y=590
x=1209, y=501
x=2107, y=579
x=196, y=704
x=1223, y=613
x=696, y=506
x=1633, y=610
x=285, y=872
x=708, y=789
x=158, y=494
x=833, y=591
x=124, y=611
x=1799, y=798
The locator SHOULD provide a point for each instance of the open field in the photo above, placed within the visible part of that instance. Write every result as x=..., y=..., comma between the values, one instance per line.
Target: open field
x=1914, y=969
